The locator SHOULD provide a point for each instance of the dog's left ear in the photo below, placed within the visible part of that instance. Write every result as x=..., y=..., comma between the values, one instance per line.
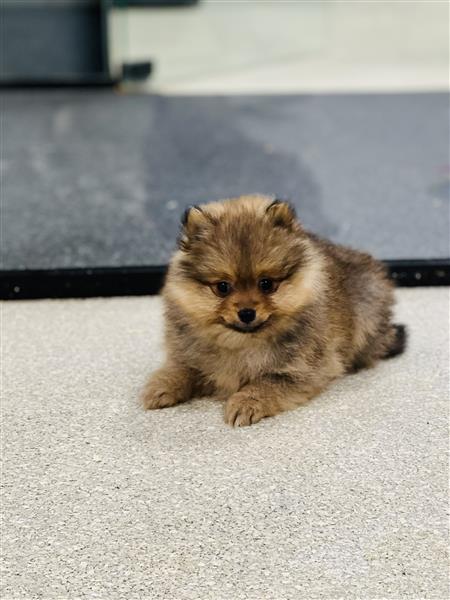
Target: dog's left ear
x=282, y=214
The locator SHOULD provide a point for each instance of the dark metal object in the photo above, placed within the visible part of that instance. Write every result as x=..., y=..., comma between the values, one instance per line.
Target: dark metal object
x=48, y=41
x=58, y=43
x=154, y=3
x=137, y=71
x=96, y=81
x=141, y=281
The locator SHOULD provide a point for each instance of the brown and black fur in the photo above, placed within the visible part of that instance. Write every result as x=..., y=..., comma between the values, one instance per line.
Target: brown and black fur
x=329, y=312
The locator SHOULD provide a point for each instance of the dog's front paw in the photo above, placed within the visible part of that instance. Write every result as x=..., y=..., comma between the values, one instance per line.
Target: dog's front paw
x=244, y=409
x=157, y=398
x=162, y=390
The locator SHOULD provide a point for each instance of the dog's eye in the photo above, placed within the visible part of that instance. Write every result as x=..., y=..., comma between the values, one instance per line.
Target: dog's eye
x=223, y=288
x=266, y=285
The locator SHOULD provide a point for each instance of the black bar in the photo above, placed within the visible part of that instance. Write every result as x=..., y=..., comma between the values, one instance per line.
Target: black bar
x=96, y=81
x=420, y=272
x=152, y=3
x=81, y=283
x=142, y=281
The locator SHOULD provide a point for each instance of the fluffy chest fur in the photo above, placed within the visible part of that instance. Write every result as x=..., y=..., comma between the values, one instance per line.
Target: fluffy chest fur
x=229, y=370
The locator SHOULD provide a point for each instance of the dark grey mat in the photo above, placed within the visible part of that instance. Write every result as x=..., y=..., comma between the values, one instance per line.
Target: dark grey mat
x=97, y=179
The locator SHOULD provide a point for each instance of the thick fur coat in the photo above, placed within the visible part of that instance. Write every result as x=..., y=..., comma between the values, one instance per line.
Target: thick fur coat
x=265, y=315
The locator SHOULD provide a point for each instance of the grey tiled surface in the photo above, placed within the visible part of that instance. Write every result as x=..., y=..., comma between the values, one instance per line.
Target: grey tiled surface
x=98, y=179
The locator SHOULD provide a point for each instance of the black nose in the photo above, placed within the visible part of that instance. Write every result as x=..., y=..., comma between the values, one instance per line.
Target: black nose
x=247, y=315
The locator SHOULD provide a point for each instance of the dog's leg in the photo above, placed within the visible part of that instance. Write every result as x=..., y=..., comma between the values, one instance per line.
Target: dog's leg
x=265, y=398
x=171, y=385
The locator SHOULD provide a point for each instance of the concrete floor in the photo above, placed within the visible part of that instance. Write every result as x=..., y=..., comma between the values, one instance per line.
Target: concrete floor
x=346, y=497
x=283, y=46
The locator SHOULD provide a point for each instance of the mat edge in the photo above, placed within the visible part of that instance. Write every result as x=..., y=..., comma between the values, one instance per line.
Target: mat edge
x=148, y=280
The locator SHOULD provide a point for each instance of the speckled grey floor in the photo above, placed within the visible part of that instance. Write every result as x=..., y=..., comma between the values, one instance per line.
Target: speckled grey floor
x=343, y=498
x=98, y=179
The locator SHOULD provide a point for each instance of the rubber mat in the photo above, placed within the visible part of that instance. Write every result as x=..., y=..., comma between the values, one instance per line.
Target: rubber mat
x=97, y=179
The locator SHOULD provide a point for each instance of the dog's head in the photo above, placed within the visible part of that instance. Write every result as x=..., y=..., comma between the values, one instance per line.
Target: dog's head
x=243, y=270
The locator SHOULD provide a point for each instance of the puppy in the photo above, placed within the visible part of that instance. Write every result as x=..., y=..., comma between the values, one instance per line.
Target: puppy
x=263, y=314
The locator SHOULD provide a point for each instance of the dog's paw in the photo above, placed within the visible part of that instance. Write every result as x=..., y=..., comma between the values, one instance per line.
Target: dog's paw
x=158, y=398
x=243, y=409
x=162, y=390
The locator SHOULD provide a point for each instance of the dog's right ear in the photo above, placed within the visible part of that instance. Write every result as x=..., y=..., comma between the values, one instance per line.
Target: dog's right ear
x=191, y=215
x=282, y=214
x=192, y=221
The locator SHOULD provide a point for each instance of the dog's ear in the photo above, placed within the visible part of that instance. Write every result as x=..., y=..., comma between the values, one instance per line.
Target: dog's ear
x=282, y=214
x=192, y=216
x=192, y=222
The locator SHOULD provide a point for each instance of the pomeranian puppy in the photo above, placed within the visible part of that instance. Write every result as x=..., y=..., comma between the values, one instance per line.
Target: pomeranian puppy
x=263, y=314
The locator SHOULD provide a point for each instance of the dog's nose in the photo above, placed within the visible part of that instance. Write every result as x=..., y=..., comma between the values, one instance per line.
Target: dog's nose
x=247, y=315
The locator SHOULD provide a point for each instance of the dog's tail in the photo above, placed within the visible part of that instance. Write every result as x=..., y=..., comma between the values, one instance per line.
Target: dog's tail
x=398, y=344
